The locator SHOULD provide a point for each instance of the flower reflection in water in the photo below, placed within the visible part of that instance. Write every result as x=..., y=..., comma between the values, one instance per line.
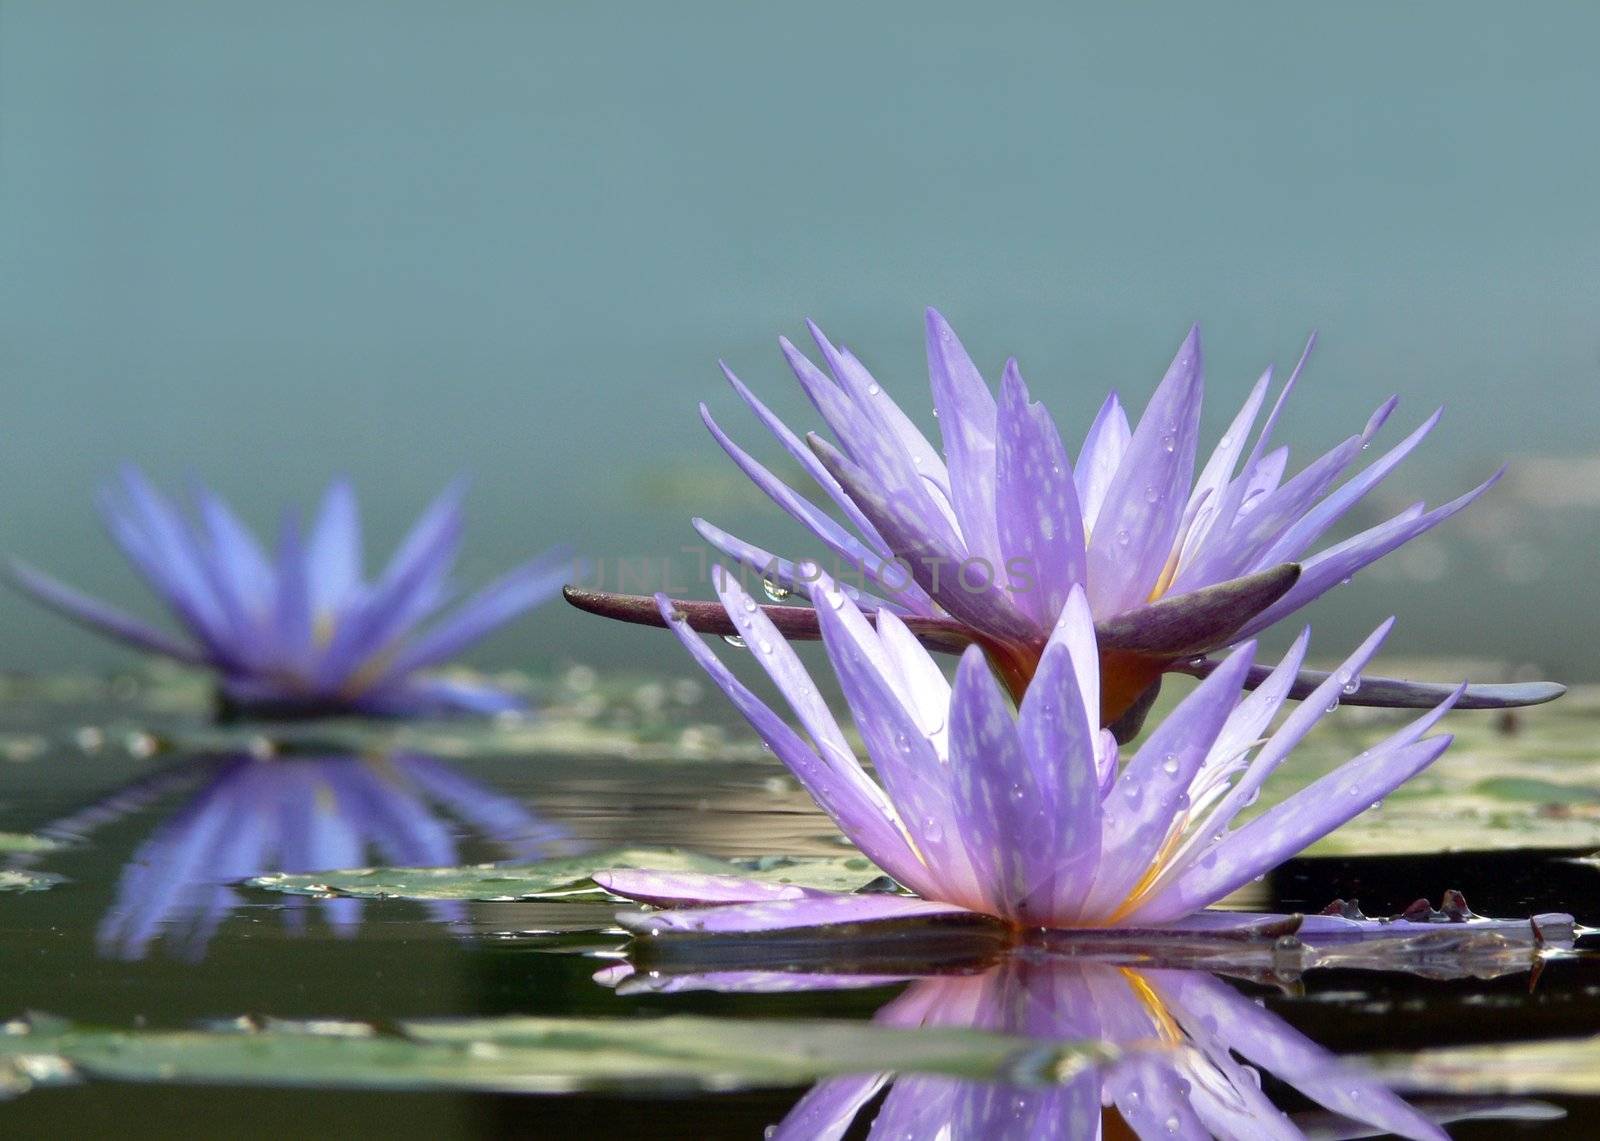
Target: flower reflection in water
x=250, y=816
x=1193, y=1053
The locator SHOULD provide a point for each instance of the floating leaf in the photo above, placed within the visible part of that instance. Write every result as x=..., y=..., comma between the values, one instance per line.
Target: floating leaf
x=527, y=1054
x=564, y=878
x=1553, y=1066
x=22, y=842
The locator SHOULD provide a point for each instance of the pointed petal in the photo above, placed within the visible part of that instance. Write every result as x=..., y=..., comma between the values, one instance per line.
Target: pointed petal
x=862, y=819
x=1288, y=828
x=1002, y=801
x=1136, y=527
x=100, y=616
x=941, y=568
x=967, y=426
x=1326, y=569
x=1059, y=729
x=801, y=455
x=334, y=549
x=1152, y=789
x=1101, y=455
x=513, y=593
x=1181, y=625
x=839, y=541
x=1039, y=522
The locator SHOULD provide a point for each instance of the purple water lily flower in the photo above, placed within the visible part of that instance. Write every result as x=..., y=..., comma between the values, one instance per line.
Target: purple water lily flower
x=302, y=632
x=1030, y=816
x=981, y=541
x=1193, y=1054
x=251, y=816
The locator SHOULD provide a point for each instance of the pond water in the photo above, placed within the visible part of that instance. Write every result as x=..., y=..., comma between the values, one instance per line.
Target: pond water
x=141, y=931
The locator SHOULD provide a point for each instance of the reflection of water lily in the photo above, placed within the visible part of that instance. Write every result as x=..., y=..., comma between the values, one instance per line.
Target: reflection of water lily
x=1193, y=1054
x=1029, y=817
x=296, y=814
x=303, y=632
x=980, y=541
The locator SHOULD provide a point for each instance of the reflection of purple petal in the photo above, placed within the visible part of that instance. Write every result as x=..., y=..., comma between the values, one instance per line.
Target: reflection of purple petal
x=1275, y=1046
x=828, y=1108
x=787, y=914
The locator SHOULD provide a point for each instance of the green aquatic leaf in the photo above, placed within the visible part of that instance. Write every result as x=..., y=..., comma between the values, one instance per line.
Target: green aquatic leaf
x=526, y=1054
x=22, y=842
x=1553, y=1066
x=18, y=879
x=564, y=878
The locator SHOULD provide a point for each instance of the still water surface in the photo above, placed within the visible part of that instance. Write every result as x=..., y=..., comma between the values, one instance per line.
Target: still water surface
x=147, y=933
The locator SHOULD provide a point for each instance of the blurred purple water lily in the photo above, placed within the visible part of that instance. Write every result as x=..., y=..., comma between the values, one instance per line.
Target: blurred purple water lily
x=1030, y=817
x=251, y=816
x=981, y=541
x=1194, y=1051
x=303, y=633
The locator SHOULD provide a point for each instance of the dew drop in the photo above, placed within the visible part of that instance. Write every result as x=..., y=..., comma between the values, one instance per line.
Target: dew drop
x=1352, y=685
x=1018, y=794
x=1344, y=581
x=836, y=599
x=932, y=831
x=1332, y=705
x=1376, y=804
x=749, y=605
x=775, y=590
x=766, y=646
x=1170, y=765
x=1123, y=538
x=1151, y=494
x=1169, y=442
x=1172, y=1124
x=873, y=389
x=734, y=640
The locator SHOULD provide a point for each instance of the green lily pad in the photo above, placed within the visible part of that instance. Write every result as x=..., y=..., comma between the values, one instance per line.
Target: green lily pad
x=526, y=1054
x=1552, y=1066
x=16, y=879
x=22, y=842
x=564, y=878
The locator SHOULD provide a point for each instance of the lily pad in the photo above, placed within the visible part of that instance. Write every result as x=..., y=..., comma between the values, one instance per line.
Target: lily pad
x=565, y=878
x=22, y=842
x=526, y=1054
x=17, y=879
x=1552, y=1066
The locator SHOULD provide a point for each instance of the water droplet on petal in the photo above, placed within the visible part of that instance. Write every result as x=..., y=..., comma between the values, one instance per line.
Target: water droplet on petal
x=766, y=646
x=1169, y=442
x=1151, y=494
x=1352, y=685
x=734, y=640
x=1377, y=804
x=1344, y=581
x=1332, y=705
x=1123, y=538
x=775, y=590
x=1170, y=765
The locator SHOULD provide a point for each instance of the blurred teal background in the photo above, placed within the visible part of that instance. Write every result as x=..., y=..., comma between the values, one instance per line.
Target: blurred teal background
x=270, y=242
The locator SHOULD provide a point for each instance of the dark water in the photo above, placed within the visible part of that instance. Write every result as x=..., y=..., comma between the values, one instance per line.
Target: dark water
x=110, y=948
